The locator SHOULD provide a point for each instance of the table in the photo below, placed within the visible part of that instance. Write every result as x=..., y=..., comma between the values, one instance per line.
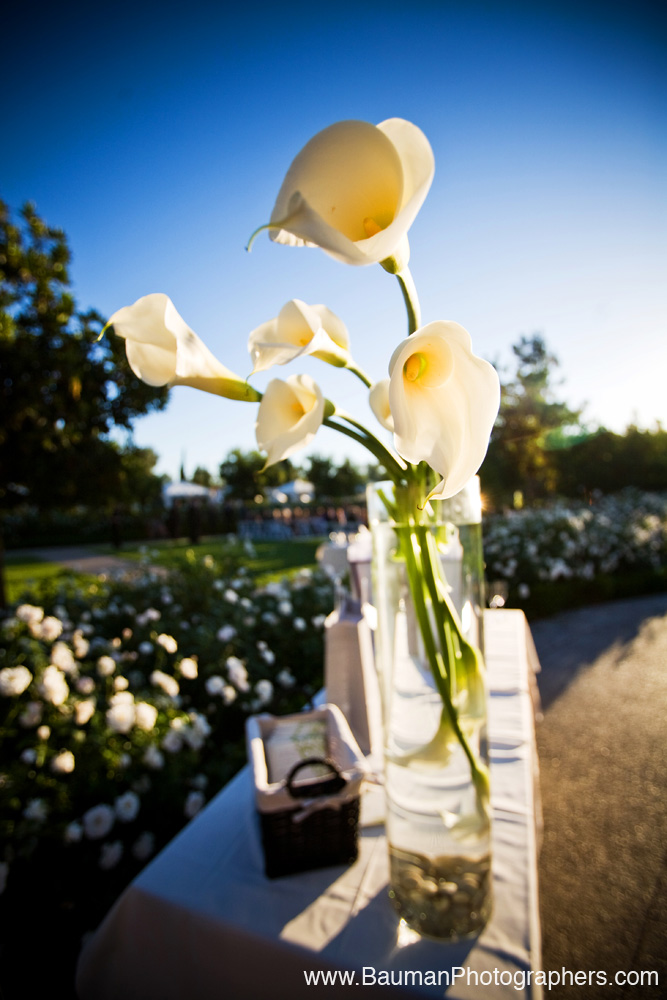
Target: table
x=202, y=922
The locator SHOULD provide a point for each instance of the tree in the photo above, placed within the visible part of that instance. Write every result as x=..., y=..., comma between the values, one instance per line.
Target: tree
x=609, y=462
x=243, y=473
x=333, y=482
x=202, y=477
x=321, y=472
x=62, y=389
x=519, y=460
x=138, y=484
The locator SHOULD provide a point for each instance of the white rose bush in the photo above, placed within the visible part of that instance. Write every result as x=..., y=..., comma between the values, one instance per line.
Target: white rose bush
x=353, y=191
x=108, y=747
x=572, y=553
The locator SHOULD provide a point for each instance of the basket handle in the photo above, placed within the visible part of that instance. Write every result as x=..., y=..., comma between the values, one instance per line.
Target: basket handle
x=329, y=785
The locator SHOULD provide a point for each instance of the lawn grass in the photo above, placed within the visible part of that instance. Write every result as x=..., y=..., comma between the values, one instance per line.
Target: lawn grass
x=271, y=559
x=23, y=574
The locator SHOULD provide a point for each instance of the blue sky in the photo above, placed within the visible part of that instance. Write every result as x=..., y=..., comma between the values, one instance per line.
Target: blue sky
x=157, y=136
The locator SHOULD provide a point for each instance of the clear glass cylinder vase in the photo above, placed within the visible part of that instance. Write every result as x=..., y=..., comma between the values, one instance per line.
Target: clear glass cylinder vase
x=428, y=584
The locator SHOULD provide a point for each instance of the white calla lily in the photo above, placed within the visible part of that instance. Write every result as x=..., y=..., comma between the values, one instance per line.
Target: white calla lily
x=162, y=350
x=378, y=399
x=444, y=401
x=297, y=330
x=354, y=190
x=289, y=416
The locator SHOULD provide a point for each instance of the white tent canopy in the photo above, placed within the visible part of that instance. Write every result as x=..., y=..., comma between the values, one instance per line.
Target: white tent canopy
x=297, y=489
x=188, y=491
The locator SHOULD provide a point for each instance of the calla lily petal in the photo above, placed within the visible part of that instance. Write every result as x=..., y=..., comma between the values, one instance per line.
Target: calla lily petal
x=354, y=190
x=300, y=329
x=444, y=401
x=378, y=398
x=162, y=350
x=289, y=416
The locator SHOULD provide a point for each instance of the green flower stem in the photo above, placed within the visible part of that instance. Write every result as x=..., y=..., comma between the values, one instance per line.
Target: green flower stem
x=382, y=454
x=360, y=373
x=410, y=298
x=393, y=463
x=449, y=628
x=425, y=579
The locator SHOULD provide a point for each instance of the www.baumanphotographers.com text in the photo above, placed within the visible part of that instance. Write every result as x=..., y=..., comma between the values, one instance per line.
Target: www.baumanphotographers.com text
x=519, y=979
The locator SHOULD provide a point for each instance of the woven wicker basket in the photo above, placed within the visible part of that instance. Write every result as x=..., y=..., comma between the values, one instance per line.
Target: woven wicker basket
x=308, y=817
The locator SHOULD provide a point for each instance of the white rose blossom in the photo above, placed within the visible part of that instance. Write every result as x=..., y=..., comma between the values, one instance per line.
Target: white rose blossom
x=229, y=694
x=73, y=833
x=29, y=614
x=14, y=680
x=193, y=803
x=164, y=681
x=98, y=821
x=289, y=416
x=110, y=855
x=214, y=685
x=121, y=717
x=153, y=758
x=31, y=715
x=162, y=350
x=144, y=846
x=84, y=711
x=188, y=668
x=264, y=692
x=106, y=666
x=196, y=732
x=299, y=330
x=167, y=642
x=145, y=716
x=172, y=741
x=48, y=629
x=127, y=807
x=36, y=810
x=53, y=686
x=238, y=674
x=149, y=615
x=444, y=401
x=63, y=763
x=62, y=657
x=354, y=190
x=80, y=644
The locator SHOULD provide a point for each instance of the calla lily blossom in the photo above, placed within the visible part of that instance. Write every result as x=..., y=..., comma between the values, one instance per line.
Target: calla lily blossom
x=300, y=329
x=162, y=350
x=378, y=399
x=354, y=190
x=289, y=416
x=444, y=401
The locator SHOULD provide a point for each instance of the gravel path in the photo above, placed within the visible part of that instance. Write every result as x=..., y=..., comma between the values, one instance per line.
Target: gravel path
x=603, y=759
x=82, y=560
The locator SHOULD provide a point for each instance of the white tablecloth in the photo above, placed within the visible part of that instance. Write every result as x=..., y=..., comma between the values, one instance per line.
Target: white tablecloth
x=202, y=922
